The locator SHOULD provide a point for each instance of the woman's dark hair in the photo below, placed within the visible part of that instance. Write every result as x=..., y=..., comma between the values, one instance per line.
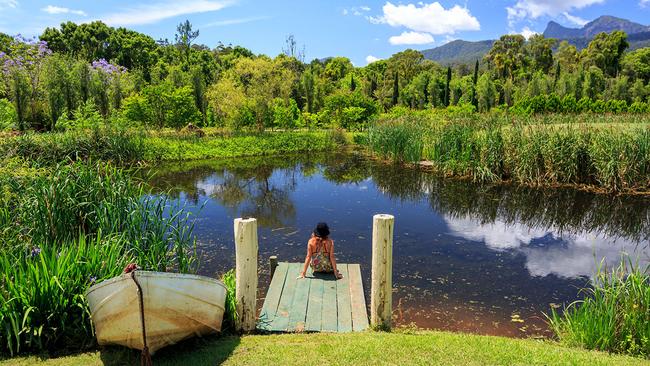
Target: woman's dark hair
x=322, y=230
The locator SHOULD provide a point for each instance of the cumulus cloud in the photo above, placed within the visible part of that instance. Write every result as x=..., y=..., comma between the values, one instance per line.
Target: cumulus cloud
x=411, y=38
x=568, y=255
x=533, y=9
x=51, y=9
x=527, y=32
x=576, y=20
x=428, y=18
x=370, y=59
x=153, y=13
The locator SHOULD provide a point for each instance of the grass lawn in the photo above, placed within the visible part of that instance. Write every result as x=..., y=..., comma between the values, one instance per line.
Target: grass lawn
x=372, y=348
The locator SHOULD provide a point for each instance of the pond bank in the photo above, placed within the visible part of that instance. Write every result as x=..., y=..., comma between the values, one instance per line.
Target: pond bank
x=370, y=348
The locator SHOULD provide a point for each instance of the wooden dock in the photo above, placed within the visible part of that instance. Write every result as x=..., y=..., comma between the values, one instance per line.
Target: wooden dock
x=317, y=303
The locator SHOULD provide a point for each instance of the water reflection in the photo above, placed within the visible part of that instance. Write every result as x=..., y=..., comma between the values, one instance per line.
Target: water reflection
x=467, y=257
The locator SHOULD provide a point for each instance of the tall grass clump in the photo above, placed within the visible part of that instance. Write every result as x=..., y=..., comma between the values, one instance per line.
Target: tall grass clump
x=401, y=140
x=66, y=230
x=614, y=315
x=117, y=145
x=230, y=314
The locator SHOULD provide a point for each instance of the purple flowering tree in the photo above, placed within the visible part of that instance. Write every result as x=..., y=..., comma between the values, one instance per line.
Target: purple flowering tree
x=22, y=70
x=106, y=84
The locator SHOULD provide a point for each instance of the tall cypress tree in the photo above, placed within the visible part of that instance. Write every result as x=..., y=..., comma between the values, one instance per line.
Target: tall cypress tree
x=353, y=84
x=474, y=81
x=395, y=89
x=447, y=90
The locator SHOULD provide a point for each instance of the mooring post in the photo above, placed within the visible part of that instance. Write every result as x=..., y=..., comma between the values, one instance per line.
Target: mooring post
x=246, y=247
x=381, y=292
x=273, y=263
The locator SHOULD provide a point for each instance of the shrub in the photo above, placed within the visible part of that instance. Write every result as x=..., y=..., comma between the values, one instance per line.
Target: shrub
x=8, y=116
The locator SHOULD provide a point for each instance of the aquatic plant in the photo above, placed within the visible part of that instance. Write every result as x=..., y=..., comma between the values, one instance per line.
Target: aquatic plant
x=608, y=152
x=614, y=315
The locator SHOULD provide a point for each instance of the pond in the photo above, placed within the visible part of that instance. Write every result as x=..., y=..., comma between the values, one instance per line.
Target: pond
x=488, y=259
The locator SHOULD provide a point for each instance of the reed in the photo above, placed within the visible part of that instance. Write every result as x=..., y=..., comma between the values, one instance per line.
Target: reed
x=607, y=152
x=614, y=315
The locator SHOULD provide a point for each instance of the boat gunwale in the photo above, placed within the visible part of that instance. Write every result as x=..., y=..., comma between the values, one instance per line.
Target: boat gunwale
x=169, y=275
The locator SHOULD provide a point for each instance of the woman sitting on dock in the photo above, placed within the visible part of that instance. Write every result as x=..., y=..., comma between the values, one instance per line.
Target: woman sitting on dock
x=320, y=252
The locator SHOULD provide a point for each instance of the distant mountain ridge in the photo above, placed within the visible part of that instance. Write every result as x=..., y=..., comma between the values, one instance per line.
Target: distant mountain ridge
x=605, y=23
x=460, y=51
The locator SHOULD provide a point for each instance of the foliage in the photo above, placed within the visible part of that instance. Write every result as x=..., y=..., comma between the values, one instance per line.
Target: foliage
x=230, y=314
x=613, y=316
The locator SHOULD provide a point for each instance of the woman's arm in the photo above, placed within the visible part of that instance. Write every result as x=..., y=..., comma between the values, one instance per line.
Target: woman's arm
x=333, y=261
x=307, y=259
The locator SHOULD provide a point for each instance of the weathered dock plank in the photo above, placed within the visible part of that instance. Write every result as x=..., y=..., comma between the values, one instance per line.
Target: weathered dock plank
x=317, y=303
x=358, y=302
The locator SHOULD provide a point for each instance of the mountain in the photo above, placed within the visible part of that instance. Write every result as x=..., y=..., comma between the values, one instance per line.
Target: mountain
x=458, y=52
x=467, y=52
x=602, y=24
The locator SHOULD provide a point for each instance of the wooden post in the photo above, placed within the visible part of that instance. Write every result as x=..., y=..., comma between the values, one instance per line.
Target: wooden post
x=273, y=263
x=246, y=248
x=381, y=292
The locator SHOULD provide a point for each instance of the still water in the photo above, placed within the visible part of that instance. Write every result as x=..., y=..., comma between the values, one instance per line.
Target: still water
x=488, y=259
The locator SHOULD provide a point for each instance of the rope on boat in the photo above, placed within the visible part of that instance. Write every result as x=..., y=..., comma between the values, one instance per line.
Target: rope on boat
x=145, y=357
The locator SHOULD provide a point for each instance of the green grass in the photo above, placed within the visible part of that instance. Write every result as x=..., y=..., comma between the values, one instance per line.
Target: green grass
x=371, y=348
x=132, y=146
x=614, y=315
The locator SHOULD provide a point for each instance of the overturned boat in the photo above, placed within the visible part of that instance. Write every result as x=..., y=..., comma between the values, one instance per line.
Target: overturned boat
x=150, y=310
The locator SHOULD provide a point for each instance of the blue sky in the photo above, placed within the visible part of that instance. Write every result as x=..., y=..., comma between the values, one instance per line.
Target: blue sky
x=360, y=30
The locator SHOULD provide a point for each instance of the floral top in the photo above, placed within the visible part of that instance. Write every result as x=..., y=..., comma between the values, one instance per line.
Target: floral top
x=320, y=260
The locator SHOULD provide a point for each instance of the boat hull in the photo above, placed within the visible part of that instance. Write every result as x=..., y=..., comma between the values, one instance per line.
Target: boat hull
x=176, y=307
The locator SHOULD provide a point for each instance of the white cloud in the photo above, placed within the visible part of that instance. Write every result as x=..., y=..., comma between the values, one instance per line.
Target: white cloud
x=5, y=4
x=51, y=9
x=570, y=256
x=533, y=9
x=223, y=23
x=527, y=32
x=356, y=11
x=152, y=13
x=428, y=18
x=644, y=3
x=575, y=20
x=370, y=59
x=411, y=38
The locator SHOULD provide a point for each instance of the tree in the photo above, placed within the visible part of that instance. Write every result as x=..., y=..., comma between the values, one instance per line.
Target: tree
x=567, y=56
x=447, y=89
x=184, y=38
x=337, y=68
x=291, y=49
x=540, y=50
x=474, y=81
x=508, y=55
x=395, y=98
x=353, y=84
x=487, y=93
x=636, y=64
x=605, y=51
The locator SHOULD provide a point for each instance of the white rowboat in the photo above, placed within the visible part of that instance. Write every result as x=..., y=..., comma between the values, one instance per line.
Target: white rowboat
x=175, y=306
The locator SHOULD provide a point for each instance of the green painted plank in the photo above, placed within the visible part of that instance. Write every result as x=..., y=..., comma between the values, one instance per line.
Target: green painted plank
x=281, y=321
x=357, y=299
x=329, y=322
x=272, y=297
x=315, y=305
x=298, y=310
x=343, y=301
